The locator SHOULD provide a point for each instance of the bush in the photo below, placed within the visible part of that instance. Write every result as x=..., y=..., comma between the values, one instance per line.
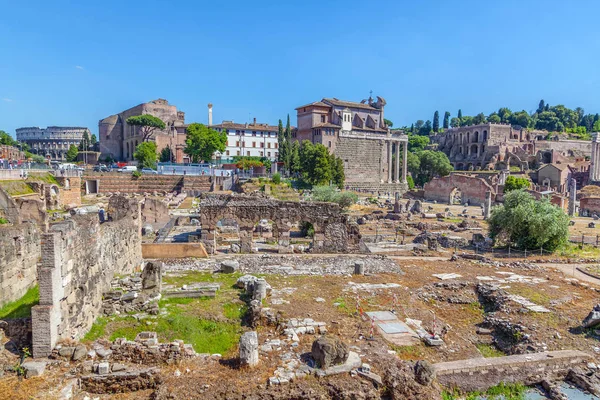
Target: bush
x=307, y=229
x=331, y=195
x=136, y=174
x=276, y=178
x=528, y=223
x=411, y=182
x=514, y=183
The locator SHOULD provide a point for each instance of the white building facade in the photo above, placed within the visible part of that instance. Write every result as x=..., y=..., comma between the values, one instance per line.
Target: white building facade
x=249, y=140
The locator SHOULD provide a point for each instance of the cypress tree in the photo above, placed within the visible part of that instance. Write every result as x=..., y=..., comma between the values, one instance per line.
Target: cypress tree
x=280, y=140
x=446, y=120
x=459, y=113
x=436, y=121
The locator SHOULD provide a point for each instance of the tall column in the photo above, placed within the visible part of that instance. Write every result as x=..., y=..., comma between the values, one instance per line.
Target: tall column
x=397, y=170
x=404, y=161
x=592, y=162
x=390, y=164
x=573, y=197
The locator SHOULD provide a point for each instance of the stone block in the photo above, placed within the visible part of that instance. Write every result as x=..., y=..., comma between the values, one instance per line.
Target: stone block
x=329, y=351
x=230, y=266
x=103, y=368
x=34, y=368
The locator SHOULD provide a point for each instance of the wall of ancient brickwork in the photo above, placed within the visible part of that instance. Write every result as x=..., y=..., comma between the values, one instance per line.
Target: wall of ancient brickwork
x=565, y=146
x=155, y=212
x=589, y=205
x=364, y=159
x=125, y=183
x=472, y=189
x=80, y=257
x=333, y=232
x=19, y=254
x=70, y=190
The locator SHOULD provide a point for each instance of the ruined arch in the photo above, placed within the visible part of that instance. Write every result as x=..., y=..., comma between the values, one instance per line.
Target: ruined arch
x=474, y=150
x=485, y=135
x=476, y=136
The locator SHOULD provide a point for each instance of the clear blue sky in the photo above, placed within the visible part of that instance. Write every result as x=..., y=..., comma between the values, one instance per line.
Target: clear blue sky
x=73, y=63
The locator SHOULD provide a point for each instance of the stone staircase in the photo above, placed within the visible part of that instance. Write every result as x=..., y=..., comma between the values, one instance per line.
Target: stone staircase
x=125, y=183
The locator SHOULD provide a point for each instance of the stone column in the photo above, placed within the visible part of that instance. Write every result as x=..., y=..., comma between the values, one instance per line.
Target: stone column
x=572, y=197
x=390, y=165
x=245, y=241
x=359, y=268
x=397, y=169
x=249, y=349
x=404, y=161
x=593, y=176
x=284, y=242
x=259, y=291
x=487, y=206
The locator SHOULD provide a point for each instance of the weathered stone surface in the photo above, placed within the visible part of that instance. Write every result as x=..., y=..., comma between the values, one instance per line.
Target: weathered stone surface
x=229, y=266
x=34, y=368
x=66, y=351
x=593, y=318
x=328, y=351
x=122, y=381
x=103, y=368
x=79, y=259
x=249, y=349
x=424, y=372
x=359, y=268
x=80, y=352
x=152, y=278
x=259, y=289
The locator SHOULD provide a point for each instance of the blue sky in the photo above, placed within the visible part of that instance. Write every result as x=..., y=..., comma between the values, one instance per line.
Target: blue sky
x=73, y=63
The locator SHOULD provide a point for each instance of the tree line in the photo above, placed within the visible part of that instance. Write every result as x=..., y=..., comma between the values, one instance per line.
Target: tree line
x=558, y=118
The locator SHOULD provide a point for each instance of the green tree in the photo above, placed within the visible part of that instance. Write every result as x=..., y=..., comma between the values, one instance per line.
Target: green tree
x=72, y=153
x=504, y=114
x=295, y=158
x=202, y=142
x=85, y=143
x=494, y=118
x=541, y=107
x=460, y=114
x=288, y=140
x=35, y=158
x=145, y=154
x=417, y=142
x=388, y=123
x=6, y=139
x=521, y=118
x=479, y=119
x=147, y=124
x=432, y=164
x=318, y=166
x=426, y=128
x=446, y=123
x=165, y=154
x=527, y=223
x=436, y=121
x=514, y=183
x=455, y=122
x=466, y=121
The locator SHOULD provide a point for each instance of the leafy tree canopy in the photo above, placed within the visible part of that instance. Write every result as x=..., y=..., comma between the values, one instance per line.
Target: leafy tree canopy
x=417, y=142
x=388, y=123
x=202, y=142
x=145, y=154
x=71, y=155
x=147, y=124
x=431, y=164
x=330, y=194
x=514, y=183
x=528, y=223
x=319, y=167
x=165, y=154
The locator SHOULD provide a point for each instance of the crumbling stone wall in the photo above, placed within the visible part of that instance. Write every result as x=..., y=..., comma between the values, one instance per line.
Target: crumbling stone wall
x=333, y=232
x=589, y=206
x=472, y=189
x=155, y=212
x=80, y=257
x=19, y=254
x=70, y=190
x=9, y=208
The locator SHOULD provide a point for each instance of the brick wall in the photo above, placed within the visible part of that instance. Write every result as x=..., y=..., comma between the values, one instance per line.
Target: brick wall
x=155, y=212
x=125, y=183
x=80, y=257
x=364, y=159
x=472, y=189
x=70, y=190
x=589, y=204
x=19, y=254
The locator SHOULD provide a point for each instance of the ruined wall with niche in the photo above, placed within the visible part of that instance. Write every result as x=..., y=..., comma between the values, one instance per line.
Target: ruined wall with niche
x=80, y=257
x=155, y=211
x=70, y=191
x=333, y=232
x=19, y=255
x=472, y=189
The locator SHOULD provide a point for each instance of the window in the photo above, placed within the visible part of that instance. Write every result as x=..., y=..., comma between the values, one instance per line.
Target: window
x=253, y=133
x=261, y=154
x=329, y=144
x=248, y=153
x=276, y=154
x=244, y=143
x=268, y=145
x=322, y=118
x=238, y=152
x=227, y=152
x=253, y=144
x=269, y=153
x=262, y=144
x=275, y=144
x=237, y=144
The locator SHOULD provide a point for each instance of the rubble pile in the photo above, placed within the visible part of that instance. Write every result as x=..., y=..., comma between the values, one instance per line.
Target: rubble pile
x=441, y=238
x=453, y=292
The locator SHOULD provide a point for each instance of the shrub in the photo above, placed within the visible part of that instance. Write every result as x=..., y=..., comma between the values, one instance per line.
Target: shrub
x=330, y=194
x=528, y=223
x=136, y=174
x=276, y=178
x=411, y=182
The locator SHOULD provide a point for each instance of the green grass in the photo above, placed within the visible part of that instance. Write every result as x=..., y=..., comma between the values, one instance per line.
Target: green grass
x=502, y=391
x=574, y=250
x=3, y=221
x=16, y=187
x=44, y=177
x=489, y=351
x=21, y=308
x=210, y=325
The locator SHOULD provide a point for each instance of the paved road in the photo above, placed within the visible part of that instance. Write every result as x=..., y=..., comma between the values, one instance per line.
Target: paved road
x=571, y=271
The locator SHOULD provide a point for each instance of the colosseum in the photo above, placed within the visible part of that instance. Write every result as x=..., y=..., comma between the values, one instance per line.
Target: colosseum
x=51, y=142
